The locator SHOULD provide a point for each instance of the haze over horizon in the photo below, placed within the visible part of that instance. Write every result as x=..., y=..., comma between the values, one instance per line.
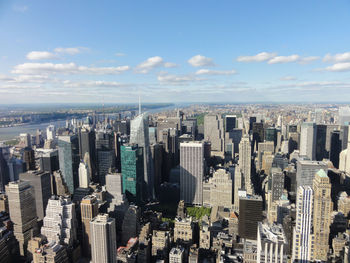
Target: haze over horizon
x=181, y=51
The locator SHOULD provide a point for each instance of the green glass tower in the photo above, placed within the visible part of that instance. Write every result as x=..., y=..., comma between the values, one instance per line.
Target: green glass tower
x=132, y=172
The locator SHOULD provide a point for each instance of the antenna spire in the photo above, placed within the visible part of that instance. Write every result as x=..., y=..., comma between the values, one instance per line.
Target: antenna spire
x=139, y=105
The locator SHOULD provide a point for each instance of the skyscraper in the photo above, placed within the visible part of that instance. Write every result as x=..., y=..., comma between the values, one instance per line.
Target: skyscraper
x=245, y=163
x=4, y=171
x=214, y=133
x=321, y=137
x=105, y=154
x=139, y=135
x=308, y=140
x=87, y=145
x=48, y=159
x=60, y=221
x=192, y=172
x=306, y=170
x=322, y=211
x=22, y=212
x=89, y=210
x=335, y=148
x=250, y=213
x=68, y=152
x=230, y=122
x=303, y=238
x=28, y=158
x=41, y=182
x=84, y=175
x=103, y=239
x=132, y=162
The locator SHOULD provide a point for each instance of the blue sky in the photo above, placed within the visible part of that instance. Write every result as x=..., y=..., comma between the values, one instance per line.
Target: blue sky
x=174, y=51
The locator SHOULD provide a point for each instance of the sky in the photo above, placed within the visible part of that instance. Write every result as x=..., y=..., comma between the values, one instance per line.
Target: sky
x=224, y=51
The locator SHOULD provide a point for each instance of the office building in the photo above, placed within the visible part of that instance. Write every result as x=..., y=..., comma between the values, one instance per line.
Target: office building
x=160, y=243
x=308, y=140
x=50, y=132
x=250, y=213
x=335, y=148
x=230, y=122
x=87, y=145
x=192, y=169
x=68, y=152
x=139, y=135
x=132, y=163
x=60, y=224
x=183, y=230
x=306, y=171
x=50, y=253
x=103, y=239
x=84, y=175
x=321, y=139
x=89, y=210
x=322, y=210
x=131, y=223
x=214, y=133
x=271, y=135
x=29, y=158
x=344, y=115
x=219, y=189
x=21, y=198
x=105, y=154
x=48, y=159
x=258, y=133
x=245, y=163
x=4, y=171
x=41, y=182
x=303, y=238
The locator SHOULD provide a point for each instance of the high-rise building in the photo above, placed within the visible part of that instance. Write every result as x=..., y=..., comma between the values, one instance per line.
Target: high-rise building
x=139, y=135
x=41, y=182
x=308, y=140
x=184, y=230
x=335, y=148
x=132, y=162
x=271, y=244
x=276, y=180
x=344, y=158
x=220, y=189
x=29, y=158
x=87, y=144
x=50, y=132
x=25, y=140
x=271, y=135
x=60, y=221
x=344, y=115
x=105, y=154
x=131, y=223
x=321, y=138
x=48, y=159
x=4, y=171
x=84, y=175
x=245, y=156
x=303, y=238
x=306, y=171
x=103, y=239
x=322, y=210
x=230, y=122
x=214, y=133
x=258, y=133
x=250, y=213
x=192, y=169
x=89, y=210
x=68, y=152
x=21, y=199
x=50, y=253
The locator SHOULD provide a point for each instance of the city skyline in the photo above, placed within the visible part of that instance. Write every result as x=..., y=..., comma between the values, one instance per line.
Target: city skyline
x=113, y=52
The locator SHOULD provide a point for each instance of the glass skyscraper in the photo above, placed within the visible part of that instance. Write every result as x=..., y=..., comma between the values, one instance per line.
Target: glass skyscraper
x=132, y=172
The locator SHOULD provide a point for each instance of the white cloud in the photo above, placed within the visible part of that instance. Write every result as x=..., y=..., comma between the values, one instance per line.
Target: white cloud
x=69, y=68
x=70, y=50
x=200, y=61
x=37, y=55
x=215, y=72
x=338, y=67
x=284, y=59
x=95, y=83
x=151, y=63
x=340, y=57
x=263, y=56
x=287, y=78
